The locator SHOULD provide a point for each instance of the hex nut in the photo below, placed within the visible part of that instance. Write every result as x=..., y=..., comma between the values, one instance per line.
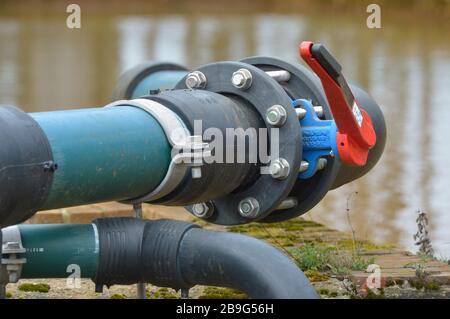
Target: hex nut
x=276, y=115
x=279, y=168
x=249, y=207
x=203, y=210
x=242, y=79
x=196, y=80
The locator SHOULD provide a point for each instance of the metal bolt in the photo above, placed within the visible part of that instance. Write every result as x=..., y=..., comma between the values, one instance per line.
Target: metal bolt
x=276, y=115
x=242, y=79
x=304, y=165
x=321, y=163
x=279, y=168
x=249, y=207
x=288, y=203
x=318, y=110
x=196, y=80
x=279, y=75
x=301, y=112
x=203, y=210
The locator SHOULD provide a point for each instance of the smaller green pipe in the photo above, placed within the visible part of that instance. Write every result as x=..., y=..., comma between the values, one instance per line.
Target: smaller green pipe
x=55, y=251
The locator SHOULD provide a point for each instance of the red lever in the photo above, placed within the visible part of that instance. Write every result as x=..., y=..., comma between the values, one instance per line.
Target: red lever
x=355, y=136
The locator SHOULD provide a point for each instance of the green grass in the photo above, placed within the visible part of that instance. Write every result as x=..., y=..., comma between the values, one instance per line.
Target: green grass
x=311, y=257
x=328, y=258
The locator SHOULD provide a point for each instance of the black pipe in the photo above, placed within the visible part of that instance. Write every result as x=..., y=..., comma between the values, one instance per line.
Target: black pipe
x=220, y=113
x=26, y=166
x=241, y=262
x=179, y=255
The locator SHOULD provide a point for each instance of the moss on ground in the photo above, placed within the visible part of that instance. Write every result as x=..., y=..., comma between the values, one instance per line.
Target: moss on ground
x=327, y=292
x=303, y=240
x=162, y=293
x=323, y=291
x=333, y=294
x=285, y=234
x=31, y=287
x=316, y=276
x=118, y=296
x=375, y=295
x=370, y=295
x=420, y=284
x=297, y=224
x=222, y=293
x=199, y=221
x=349, y=244
x=8, y=295
x=396, y=282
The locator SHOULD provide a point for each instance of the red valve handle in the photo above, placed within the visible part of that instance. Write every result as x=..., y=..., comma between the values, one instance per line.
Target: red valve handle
x=356, y=135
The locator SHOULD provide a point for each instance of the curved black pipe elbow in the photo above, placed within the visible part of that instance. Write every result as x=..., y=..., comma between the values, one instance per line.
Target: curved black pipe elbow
x=178, y=255
x=243, y=263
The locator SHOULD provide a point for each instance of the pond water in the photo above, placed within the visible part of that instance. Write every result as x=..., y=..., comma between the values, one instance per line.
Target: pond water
x=405, y=65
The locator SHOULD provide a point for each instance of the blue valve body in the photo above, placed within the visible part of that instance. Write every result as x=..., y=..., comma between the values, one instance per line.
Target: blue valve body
x=319, y=137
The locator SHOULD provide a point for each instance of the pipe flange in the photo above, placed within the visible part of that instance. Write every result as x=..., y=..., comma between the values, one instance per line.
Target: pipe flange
x=187, y=151
x=128, y=81
x=302, y=84
x=262, y=94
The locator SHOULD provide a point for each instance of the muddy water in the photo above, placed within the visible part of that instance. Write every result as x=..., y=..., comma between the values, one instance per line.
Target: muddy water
x=405, y=65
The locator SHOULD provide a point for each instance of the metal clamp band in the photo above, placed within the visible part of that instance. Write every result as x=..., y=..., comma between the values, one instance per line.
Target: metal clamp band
x=173, y=126
x=179, y=137
x=11, y=265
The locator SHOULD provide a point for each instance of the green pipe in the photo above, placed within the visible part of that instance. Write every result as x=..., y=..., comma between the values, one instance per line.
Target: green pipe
x=103, y=154
x=55, y=251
